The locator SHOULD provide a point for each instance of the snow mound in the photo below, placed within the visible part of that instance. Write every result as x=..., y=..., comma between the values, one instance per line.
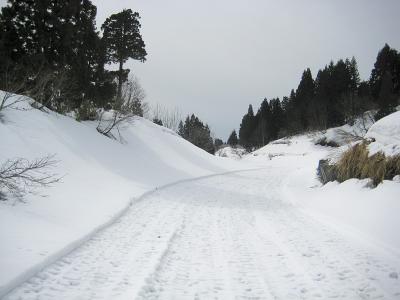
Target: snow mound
x=293, y=146
x=101, y=178
x=231, y=152
x=385, y=134
x=343, y=135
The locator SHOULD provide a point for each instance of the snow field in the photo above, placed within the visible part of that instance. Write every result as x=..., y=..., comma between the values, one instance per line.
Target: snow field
x=100, y=178
x=223, y=237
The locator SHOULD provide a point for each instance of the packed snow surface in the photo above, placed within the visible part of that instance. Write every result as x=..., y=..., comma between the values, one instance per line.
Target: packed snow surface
x=223, y=237
x=157, y=218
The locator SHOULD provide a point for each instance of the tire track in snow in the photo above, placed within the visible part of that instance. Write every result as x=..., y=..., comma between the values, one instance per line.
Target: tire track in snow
x=221, y=237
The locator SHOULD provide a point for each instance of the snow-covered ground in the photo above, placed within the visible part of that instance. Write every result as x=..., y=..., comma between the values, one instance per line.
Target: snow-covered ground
x=385, y=135
x=100, y=179
x=343, y=135
x=224, y=237
x=261, y=227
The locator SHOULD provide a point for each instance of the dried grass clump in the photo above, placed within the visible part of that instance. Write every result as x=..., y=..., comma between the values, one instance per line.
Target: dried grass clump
x=356, y=163
x=392, y=166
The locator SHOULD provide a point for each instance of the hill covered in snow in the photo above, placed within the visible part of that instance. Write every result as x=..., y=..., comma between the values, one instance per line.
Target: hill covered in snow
x=100, y=178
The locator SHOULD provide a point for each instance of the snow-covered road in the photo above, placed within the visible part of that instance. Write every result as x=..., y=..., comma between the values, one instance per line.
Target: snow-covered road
x=225, y=237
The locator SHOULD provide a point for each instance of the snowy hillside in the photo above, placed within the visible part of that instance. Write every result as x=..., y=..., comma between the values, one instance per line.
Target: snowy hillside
x=100, y=179
x=351, y=205
x=343, y=135
x=156, y=217
x=385, y=135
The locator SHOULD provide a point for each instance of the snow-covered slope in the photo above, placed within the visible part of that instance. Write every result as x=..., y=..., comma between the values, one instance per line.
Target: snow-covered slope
x=101, y=177
x=343, y=135
x=386, y=135
x=350, y=206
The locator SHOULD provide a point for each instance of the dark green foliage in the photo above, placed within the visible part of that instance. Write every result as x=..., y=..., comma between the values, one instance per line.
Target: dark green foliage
x=233, y=139
x=51, y=50
x=387, y=61
x=387, y=98
x=122, y=39
x=49, y=39
x=337, y=96
x=218, y=143
x=157, y=121
x=266, y=125
x=247, y=127
x=304, y=95
x=197, y=133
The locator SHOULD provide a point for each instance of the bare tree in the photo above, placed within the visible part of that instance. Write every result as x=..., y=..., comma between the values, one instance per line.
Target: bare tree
x=124, y=111
x=9, y=100
x=49, y=89
x=20, y=176
x=366, y=121
x=169, y=118
x=132, y=96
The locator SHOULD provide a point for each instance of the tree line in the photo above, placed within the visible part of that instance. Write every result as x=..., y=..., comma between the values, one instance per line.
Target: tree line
x=336, y=96
x=53, y=52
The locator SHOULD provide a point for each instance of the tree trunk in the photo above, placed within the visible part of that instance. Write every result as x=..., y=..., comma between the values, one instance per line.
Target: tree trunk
x=120, y=78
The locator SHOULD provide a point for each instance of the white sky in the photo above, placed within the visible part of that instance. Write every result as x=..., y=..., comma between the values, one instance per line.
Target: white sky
x=215, y=57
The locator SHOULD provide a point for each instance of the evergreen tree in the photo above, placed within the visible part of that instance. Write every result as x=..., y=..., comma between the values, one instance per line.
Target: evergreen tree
x=304, y=94
x=50, y=40
x=196, y=132
x=233, y=139
x=218, y=143
x=121, y=35
x=276, y=121
x=386, y=98
x=263, y=119
x=387, y=61
x=247, y=127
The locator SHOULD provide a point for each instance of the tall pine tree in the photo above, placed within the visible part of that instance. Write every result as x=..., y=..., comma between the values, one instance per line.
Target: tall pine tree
x=121, y=35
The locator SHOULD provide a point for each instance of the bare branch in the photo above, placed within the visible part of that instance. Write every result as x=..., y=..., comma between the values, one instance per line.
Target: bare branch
x=20, y=176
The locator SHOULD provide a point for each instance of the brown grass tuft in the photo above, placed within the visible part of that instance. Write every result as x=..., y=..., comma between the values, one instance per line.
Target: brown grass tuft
x=356, y=163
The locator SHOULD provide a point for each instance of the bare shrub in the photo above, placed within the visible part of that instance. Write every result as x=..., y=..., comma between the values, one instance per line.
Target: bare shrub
x=41, y=84
x=124, y=110
x=20, y=176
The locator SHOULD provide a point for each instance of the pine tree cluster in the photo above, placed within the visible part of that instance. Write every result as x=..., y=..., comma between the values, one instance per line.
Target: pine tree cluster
x=52, y=51
x=196, y=132
x=335, y=97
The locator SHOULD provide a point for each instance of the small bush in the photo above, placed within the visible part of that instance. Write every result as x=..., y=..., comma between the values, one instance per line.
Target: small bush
x=356, y=163
x=323, y=142
x=392, y=166
x=86, y=112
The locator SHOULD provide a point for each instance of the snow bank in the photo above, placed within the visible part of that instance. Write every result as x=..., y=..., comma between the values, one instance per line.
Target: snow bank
x=101, y=178
x=386, y=135
x=343, y=135
x=370, y=214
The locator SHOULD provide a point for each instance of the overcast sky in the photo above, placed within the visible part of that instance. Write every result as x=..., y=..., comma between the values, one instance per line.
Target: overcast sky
x=215, y=57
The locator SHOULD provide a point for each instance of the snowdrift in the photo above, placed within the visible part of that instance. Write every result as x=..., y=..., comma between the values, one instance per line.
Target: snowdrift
x=100, y=179
x=370, y=214
x=343, y=135
x=385, y=134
